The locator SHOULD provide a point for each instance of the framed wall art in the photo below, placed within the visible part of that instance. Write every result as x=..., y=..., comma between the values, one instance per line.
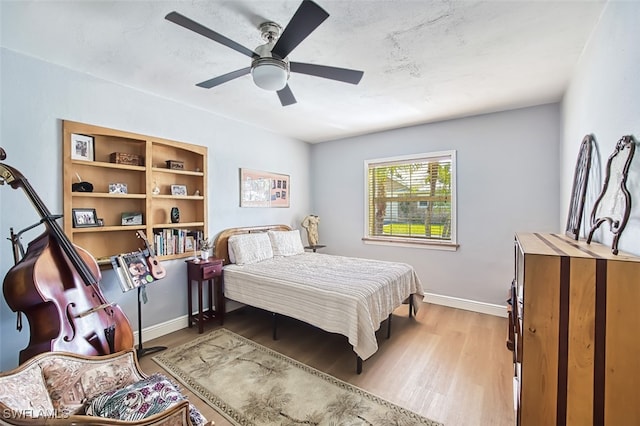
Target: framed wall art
x=264, y=189
x=82, y=147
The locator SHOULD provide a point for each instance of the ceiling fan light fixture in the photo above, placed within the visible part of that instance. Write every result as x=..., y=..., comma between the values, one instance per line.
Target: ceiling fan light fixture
x=270, y=66
x=270, y=73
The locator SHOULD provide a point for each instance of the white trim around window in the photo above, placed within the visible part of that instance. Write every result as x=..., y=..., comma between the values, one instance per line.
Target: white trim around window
x=411, y=201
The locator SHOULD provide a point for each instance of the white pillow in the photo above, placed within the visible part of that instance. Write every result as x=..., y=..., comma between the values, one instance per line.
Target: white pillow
x=232, y=256
x=250, y=248
x=286, y=243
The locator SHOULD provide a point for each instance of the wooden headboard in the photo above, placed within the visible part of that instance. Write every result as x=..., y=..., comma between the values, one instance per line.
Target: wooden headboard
x=221, y=250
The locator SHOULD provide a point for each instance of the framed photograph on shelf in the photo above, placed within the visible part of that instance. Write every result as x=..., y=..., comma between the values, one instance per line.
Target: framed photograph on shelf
x=131, y=218
x=178, y=189
x=189, y=243
x=81, y=147
x=84, y=218
x=117, y=188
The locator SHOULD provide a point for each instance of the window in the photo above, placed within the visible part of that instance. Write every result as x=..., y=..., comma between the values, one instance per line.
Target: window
x=412, y=200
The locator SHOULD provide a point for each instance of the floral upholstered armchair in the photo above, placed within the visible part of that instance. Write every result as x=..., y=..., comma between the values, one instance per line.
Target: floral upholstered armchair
x=61, y=388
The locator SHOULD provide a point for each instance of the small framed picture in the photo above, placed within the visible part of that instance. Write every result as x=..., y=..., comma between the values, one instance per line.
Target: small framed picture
x=84, y=218
x=81, y=147
x=131, y=218
x=178, y=189
x=189, y=243
x=117, y=188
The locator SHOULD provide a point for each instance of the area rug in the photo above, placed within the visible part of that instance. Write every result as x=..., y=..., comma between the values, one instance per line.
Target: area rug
x=250, y=384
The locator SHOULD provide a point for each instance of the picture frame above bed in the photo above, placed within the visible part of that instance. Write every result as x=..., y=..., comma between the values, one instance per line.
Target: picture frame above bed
x=264, y=189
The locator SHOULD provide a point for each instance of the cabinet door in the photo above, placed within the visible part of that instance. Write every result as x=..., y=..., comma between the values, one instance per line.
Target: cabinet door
x=621, y=403
x=540, y=340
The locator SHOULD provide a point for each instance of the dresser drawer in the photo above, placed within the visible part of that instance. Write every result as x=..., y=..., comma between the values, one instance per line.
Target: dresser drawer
x=211, y=271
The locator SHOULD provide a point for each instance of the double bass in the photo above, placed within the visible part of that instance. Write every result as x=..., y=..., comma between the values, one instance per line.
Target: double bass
x=56, y=285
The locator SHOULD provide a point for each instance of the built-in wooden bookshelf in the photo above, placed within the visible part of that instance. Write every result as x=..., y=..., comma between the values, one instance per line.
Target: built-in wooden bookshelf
x=88, y=156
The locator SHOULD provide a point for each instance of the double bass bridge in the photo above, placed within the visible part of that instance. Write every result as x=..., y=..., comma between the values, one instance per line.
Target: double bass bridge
x=94, y=310
x=109, y=332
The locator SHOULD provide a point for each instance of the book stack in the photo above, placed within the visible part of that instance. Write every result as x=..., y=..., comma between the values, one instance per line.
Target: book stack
x=172, y=241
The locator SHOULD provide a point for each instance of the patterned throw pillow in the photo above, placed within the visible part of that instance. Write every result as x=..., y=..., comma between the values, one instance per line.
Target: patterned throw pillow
x=71, y=382
x=14, y=387
x=140, y=400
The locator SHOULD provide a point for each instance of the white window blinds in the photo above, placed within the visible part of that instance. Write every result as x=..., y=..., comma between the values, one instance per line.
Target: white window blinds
x=411, y=198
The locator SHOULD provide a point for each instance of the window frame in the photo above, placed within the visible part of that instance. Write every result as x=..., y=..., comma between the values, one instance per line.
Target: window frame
x=451, y=245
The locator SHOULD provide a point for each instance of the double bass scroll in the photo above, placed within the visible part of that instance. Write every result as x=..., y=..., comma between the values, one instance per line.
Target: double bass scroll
x=56, y=285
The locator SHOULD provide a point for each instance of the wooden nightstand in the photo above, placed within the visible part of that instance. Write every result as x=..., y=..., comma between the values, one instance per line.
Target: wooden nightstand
x=209, y=271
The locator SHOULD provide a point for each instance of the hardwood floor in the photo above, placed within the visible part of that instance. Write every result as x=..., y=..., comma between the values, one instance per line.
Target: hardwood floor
x=447, y=364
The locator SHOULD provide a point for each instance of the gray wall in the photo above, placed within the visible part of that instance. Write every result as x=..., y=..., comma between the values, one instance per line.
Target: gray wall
x=507, y=181
x=36, y=96
x=604, y=100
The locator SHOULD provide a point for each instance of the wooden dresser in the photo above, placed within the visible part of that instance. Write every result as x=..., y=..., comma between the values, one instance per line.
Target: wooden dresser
x=575, y=333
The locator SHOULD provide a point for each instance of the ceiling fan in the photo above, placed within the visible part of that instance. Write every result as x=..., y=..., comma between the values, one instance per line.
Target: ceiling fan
x=270, y=65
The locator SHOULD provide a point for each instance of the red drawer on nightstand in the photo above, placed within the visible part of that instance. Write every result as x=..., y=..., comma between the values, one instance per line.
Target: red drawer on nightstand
x=211, y=271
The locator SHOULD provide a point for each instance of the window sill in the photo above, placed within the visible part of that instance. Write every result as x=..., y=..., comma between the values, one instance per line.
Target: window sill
x=429, y=245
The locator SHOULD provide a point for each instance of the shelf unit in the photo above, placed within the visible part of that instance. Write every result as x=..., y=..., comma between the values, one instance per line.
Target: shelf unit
x=113, y=237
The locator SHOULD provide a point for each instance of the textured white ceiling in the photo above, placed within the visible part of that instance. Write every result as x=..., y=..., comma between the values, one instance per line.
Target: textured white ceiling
x=423, y=61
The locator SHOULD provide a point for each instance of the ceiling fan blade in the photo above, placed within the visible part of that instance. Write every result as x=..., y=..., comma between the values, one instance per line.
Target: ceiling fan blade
x=224, y=78
x=189, y=24
x=340, y=74
x=306, y=19
x=286, y=96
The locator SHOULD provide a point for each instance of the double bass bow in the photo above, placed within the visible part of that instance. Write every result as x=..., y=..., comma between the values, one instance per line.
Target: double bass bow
x=56, y=285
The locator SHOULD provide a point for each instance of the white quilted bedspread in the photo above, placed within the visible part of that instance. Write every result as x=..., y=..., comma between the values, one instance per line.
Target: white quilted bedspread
x=345, y=295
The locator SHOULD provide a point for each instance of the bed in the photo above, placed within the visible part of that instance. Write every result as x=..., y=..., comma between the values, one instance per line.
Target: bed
x=268, y=268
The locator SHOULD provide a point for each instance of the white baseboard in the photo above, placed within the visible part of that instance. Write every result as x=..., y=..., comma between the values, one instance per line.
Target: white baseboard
x=469, y=305
x=159, y=330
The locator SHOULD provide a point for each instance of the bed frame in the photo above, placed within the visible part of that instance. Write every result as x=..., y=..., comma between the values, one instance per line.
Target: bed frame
x=222, y=252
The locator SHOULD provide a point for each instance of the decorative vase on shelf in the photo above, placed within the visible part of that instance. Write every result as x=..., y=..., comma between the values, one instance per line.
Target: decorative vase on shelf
x=175, y=215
